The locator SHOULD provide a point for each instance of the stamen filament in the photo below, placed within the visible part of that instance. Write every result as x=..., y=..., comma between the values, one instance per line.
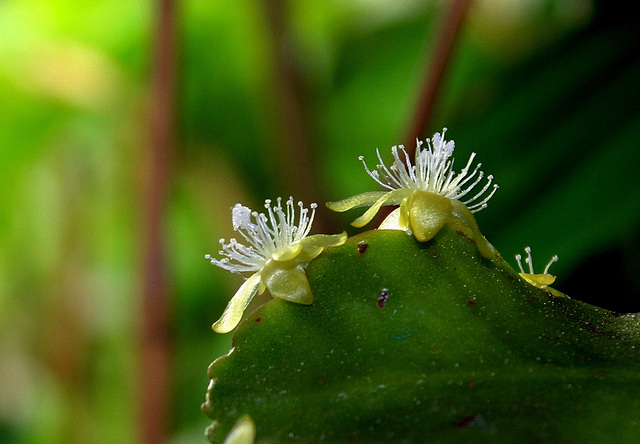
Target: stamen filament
x=432, y=172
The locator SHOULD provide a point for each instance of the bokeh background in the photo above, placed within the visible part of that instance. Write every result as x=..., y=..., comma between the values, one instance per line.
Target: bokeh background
x=271, y=99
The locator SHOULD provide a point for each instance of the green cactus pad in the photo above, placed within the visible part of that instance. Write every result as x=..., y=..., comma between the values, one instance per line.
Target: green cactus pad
x=428, y=342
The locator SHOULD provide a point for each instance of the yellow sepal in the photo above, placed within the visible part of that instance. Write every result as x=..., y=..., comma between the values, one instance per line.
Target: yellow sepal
x=287, y=281
x=232, y=315
x=313, y=245
x=391, y=198
x=359, y=200
x=426, y=213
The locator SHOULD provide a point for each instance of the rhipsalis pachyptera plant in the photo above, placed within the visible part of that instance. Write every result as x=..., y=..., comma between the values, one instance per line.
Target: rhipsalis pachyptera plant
x=418, y=331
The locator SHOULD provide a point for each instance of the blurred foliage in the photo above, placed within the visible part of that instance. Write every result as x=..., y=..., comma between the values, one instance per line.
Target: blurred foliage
x=544, y=90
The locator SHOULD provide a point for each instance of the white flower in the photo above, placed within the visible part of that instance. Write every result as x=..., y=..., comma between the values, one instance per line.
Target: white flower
x=542, y=280
x=277, y=252
x=433, y=172
x=428, y=192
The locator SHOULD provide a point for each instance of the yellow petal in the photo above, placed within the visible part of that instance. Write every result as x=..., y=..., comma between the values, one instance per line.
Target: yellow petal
x=391, y=198
x=243, y=432
x=539, y=280
x=288, y=253
x=392, y=221
x=360, y=200
x=428, y=212
x=312, y=246
x=290, y=284
x=403, y=213
x=232, y=315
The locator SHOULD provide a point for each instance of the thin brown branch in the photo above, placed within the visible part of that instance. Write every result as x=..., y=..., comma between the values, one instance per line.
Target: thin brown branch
x=154, y=365
x=296, y=147
x=440, y=60
x=433, y=81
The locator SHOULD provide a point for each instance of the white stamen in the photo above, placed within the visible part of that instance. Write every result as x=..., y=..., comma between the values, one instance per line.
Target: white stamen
x=265, y=234
x=433, y=172
x=519, y=260
x=553, y=259
x=529, y=261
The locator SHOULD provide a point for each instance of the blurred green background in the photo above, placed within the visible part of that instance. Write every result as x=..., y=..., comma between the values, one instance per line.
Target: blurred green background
x=277, y=99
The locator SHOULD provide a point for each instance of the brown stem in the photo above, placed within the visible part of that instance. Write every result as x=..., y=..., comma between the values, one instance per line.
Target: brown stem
x=432, y=82
x=296, y=148
x=154, y=365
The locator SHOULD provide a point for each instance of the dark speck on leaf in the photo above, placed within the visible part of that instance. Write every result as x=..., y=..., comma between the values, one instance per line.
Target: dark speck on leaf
x=471, y=303
x=470, y=421
x=258, y=319
x=362, y=247
x=382, y=298
x=467, y=237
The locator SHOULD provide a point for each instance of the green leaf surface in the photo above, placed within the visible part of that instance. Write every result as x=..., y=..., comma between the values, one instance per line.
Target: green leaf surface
x=428, y=342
